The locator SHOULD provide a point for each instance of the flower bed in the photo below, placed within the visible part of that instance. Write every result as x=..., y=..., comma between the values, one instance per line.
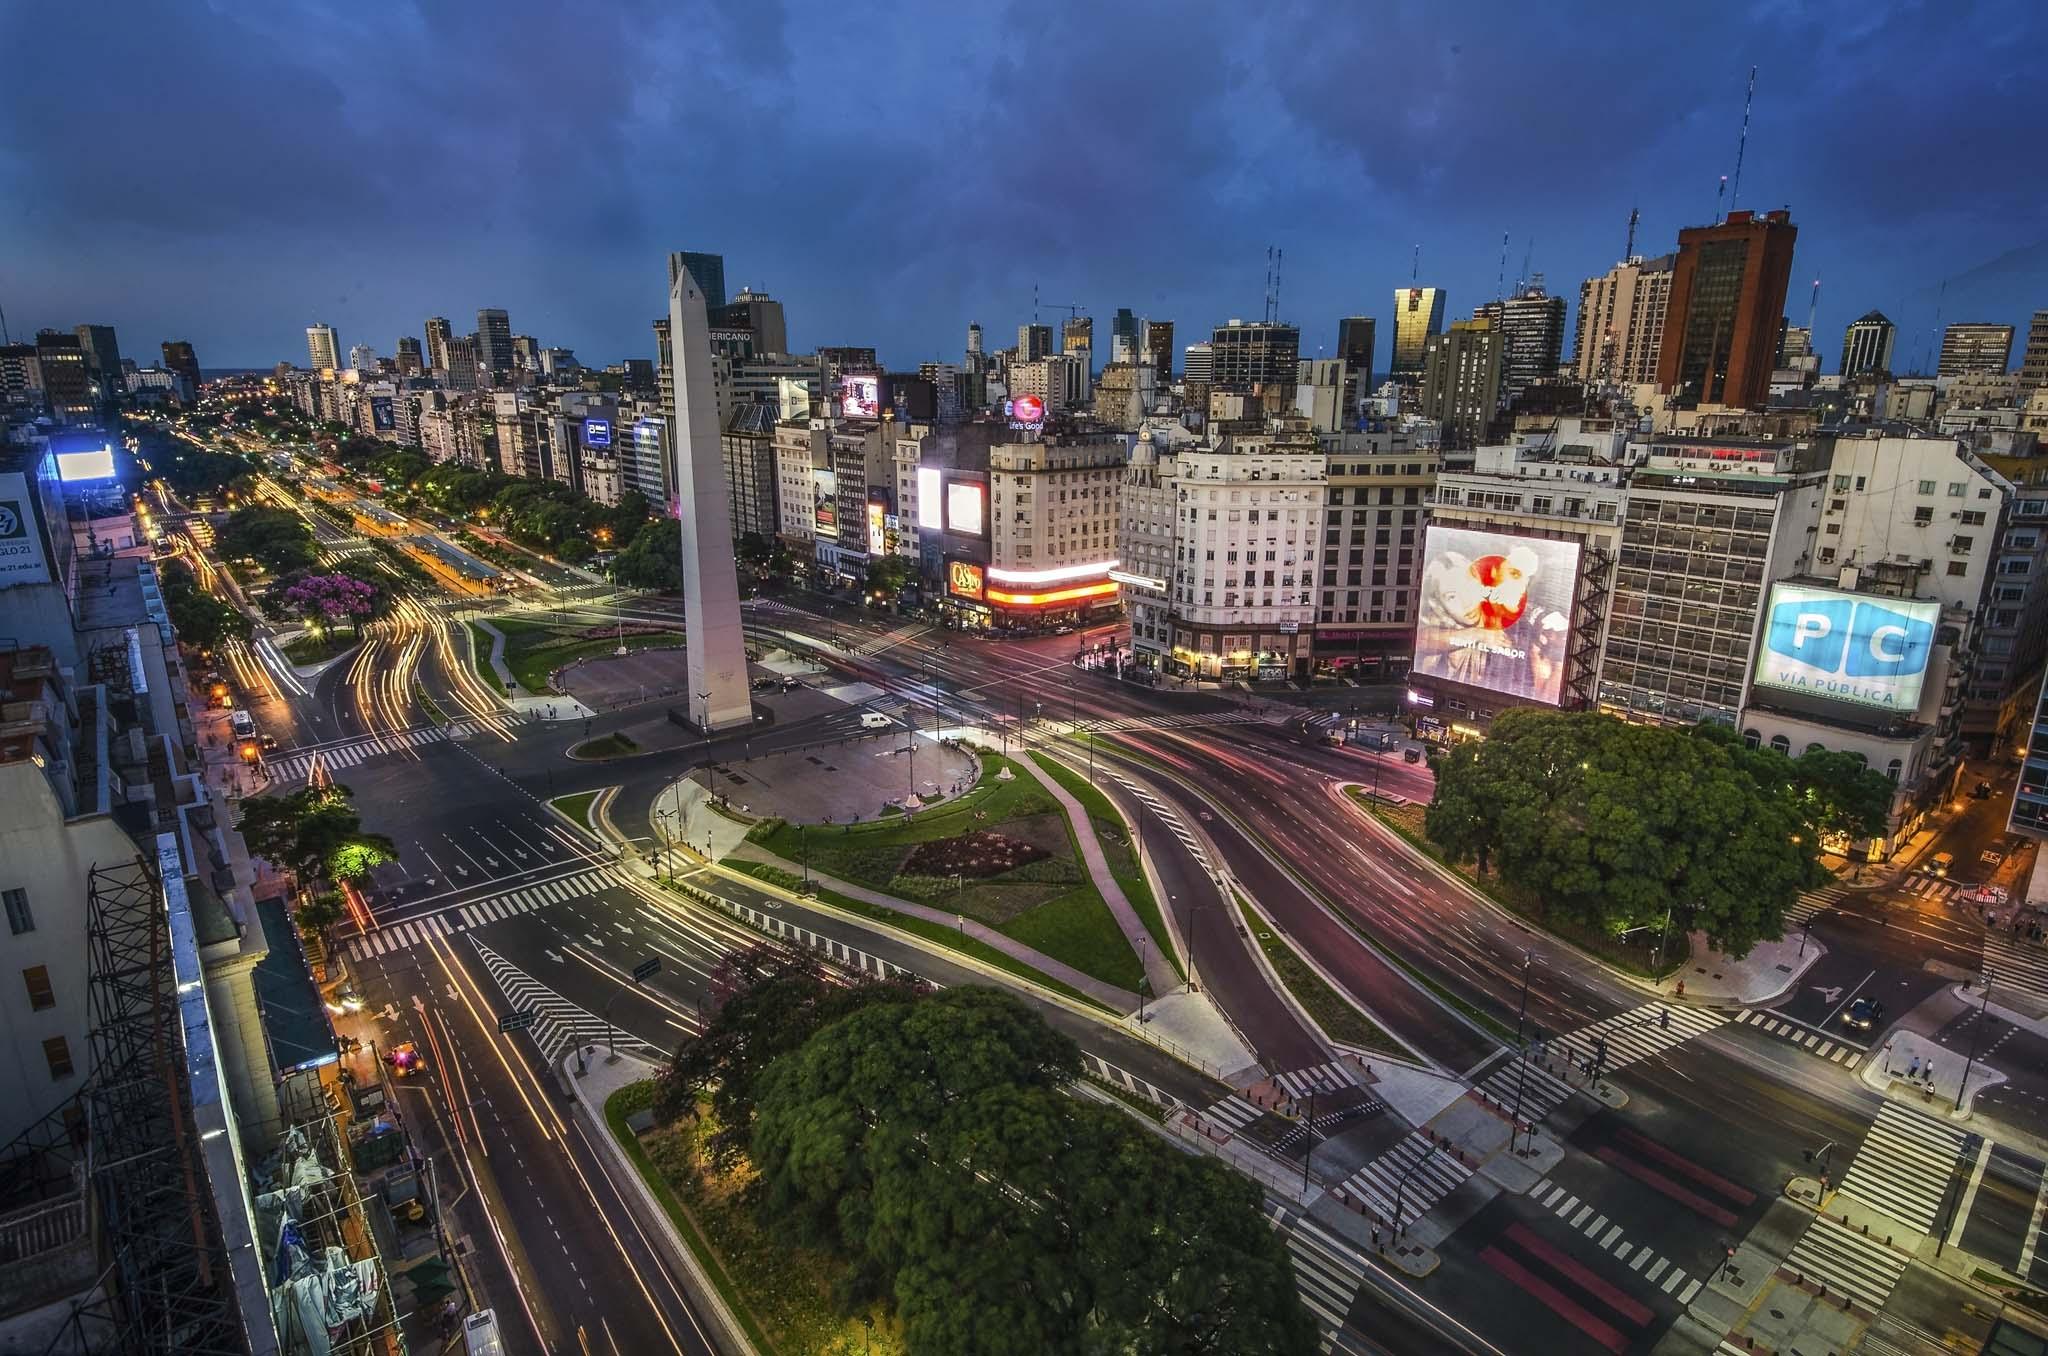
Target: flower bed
x=979, y=854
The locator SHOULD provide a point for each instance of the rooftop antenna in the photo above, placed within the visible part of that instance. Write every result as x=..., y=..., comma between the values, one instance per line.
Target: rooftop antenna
x=1034, y=303
x=1500, y=284
x=3, y=327
x=1266, y=296
x=1279, y=255
x=1742, y=142
x=1720, y=194
x=1415, y=269
x=1628, y=251
x=1812, y=309
x=1527, y=250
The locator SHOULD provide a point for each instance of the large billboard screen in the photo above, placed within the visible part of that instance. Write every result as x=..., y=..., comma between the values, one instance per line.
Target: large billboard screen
x=825, y=503
x=931, y=510
x=1496, y=611
x=878, y=537
x=1845, y=646
x=21, y=546
x=964, y=579
x=95, y=463
x=963, y=507
x=860, y=396
x=597, y=433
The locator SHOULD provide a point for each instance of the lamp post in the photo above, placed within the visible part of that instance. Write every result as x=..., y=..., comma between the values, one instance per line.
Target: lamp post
x=1976, y=1035
x=1522, y=1072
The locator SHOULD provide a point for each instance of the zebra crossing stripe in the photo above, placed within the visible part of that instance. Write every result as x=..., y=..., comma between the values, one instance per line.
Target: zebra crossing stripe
x=1904, y=1165
x=1322, y=1078
x=1414, y=1171
x=1233, y=1111
x=1833, y=1255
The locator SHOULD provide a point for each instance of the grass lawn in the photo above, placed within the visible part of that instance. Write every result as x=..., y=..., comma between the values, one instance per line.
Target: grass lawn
x=614, y=745
x=1407, y=820
x=535, y=650
x=919, y=927
x=308, y=648
x=577, y=807
x=781, y=1293
x=1048, y=903
x=1115, y=837
x=1337, y=1017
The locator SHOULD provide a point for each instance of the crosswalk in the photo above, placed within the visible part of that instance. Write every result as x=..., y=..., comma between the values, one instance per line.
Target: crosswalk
x=1835, y=1052
x=1412, y=1177
x=558, y=1024
x=1179, y=722
x=1815, y=902
x=291, y=767
x=1638, y=1034
x=902, y=635
x=492, y=909
x=1323, y=1079
x=1901, y=1170
x=1327, y=1272
x=1325, y=1124
x=1654, y=1268
x=1230, y=1114
x=1540, y=1092
x=2018, y=965
x=1169, y=817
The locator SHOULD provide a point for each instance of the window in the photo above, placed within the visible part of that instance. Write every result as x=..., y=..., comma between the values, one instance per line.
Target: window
x=1959, y=567
x=1893, y=769
x=58, y=1054
x=1927, y=487
x=1956, y=488
x=40, y=994
x=1841, y=484
x=1781, y=744
x=19, y=919
x=1961, y=545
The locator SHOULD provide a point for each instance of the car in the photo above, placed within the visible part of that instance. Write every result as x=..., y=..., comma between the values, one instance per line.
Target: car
x=766, y=684
x=1411, y=755
x=1991, y=856
x=1863, y=1014
x=405, y=1060
x=875, y=720
x=1939, y=863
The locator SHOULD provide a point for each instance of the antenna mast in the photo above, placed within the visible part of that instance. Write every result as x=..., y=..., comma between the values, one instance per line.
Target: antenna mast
x=1742, y=142
x=1034, y=303
x=1720, y=194
x=1812, y=309
x=1415, y=269
x=1528, y=249
x=1628, y=251
x=1279, y=256
x=1500, y=284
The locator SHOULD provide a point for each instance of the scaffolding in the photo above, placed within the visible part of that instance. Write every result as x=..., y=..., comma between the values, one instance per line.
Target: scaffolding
x=166, y=1286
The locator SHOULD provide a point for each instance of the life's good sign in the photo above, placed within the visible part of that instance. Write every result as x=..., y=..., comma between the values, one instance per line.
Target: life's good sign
x=21, y=550
x=1847, y=648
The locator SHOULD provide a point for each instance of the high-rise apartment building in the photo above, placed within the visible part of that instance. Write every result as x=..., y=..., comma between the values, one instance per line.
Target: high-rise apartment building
x=1372, y=549
x=461, y=361
x=102, y=360
x=1531, y=325
x=438, y=334
x=1867, y=346
x=1033, y=342
x=323, y=348
x=1975, y=347
x=1159, y=350
x=2034, y=362
x=411, y=362
x=1418, y=313
x=494, y=344
x=67, y=381
x=707, y=270
x=362, y=358
x=1077, y=336
x=1356, y=338
x=1461, y=381
x=1621, y=321
x=1727, y=303
x=179, y=358
x=1255, y=357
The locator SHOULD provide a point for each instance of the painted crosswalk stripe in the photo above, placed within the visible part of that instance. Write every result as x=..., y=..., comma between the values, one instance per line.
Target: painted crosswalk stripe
x=1233, y=1112
x=1654, y=1272
x=1413, y=1175
x=1692, y=1288
x=1904, y=1165
x=1845, y=1262
x=1671, y=1283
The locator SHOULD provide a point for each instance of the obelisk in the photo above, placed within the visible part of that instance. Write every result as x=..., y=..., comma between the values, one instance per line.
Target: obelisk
x=716, y=644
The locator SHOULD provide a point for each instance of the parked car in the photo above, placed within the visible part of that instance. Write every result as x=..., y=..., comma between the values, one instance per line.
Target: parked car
x=1863, y=1014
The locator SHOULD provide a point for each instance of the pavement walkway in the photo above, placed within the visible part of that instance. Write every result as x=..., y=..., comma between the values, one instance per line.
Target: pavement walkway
x=1758, y=979
x=1158, y=970
x=497, y=660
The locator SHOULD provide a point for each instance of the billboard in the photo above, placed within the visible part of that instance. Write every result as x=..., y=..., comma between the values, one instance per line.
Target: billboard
x=381, y=416
x=860, y=395
x=597, y=433
x=1846, y=646
x=878, y=538
x=1496, y=611
x=1026, y=411
x=825, y=503
x=964, y=579
x=963, y=507
x=931, y=507
x=92, y=464
x=21, y=546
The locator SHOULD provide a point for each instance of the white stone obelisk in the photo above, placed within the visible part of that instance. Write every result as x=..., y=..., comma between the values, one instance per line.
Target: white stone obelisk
x=716, y=643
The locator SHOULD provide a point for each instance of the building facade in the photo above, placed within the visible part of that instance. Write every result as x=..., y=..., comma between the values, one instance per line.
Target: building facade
x=1727, y=304
x=1975, y=348
x=1418, y=314
x=1621, y=322
x=1867, y=345
x=1374, y=507
x=1461, y=381
x=323, y=348
x=1053, y=521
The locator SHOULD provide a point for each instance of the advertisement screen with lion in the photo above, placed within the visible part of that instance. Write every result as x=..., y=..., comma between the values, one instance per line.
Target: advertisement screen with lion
x=1496, y=611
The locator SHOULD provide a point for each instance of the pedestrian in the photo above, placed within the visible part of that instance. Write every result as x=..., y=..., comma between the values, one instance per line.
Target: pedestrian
x=1913, y=1069
x=1928, y=1073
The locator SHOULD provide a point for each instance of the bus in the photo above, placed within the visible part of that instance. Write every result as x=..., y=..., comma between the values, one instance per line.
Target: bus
x=480, y=1334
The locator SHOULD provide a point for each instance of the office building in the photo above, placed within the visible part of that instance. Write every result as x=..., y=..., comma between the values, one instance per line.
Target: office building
x=102, y=361
x=1795, y=345
x=21, y=377
x=1254, y=358
x=67, y=380
x=1867, y=346
x=1198, y=364
x=1077, y=335
x=1418, y=314
x=178, y=357
x=438, y=335
x=760, y=317
x=1621, y=322
x=1531, y=325
x=411, y=362
x=323, y=348
x=1125, y=336
x=748, y=445
x=1727, y=304
x=493, y=345
x=460, y=371
x=1356, y=339
x=525, y=354
x=1373, y=518
x=362, y=358
x=1461, y=381
x=1159, y=350
x=1033, y=342
x=1975, y=349
x=708, y=270
x=2034, y=362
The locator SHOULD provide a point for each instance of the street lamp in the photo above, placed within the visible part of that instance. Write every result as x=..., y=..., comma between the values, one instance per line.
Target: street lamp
x=1976, y=1034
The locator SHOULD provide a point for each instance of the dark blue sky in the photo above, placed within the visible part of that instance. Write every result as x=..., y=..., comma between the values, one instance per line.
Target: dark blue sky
x=229, y=173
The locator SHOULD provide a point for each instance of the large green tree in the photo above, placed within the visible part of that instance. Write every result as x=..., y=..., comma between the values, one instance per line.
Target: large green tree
x=315, y=832
x=277, y=539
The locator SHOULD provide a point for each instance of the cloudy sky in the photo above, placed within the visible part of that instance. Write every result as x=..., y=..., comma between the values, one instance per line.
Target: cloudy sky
x=229, y=172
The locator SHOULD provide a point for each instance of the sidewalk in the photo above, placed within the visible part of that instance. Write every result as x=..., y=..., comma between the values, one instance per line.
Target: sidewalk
x=1766, y=974
x=1158, y=970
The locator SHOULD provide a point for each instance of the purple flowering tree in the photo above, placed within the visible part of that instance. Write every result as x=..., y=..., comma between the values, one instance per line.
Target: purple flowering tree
x=332, y=599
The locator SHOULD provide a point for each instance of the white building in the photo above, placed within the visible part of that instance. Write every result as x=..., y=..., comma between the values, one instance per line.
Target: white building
x=803, y=479
x=1053, y=524
x=323, y=348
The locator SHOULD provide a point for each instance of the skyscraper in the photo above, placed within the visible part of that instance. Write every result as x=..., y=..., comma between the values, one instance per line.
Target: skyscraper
x=1199, y=366
x=494, y=343
x=973, y=342
x=1621, y=321
x=67, y=382
x=102, y=359
x=760, y=315
x=707, y=269
x=1159, y=343
x=1532, y=338
x=1253, y=357
x=323, y=347
x=1727, y=300
x=179, y=358
x=1418, y=313
x=439, y=332
x=1123, y=336
x=1033, y=342
x=461, y=369
x=1867, y=345
x=1077, y=333
x=1974, y=347
x=2034, y=363
x=1461, y=380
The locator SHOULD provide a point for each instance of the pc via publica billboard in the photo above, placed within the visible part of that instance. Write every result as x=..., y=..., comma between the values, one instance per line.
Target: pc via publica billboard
x=1496, y=611
x=1847, y=647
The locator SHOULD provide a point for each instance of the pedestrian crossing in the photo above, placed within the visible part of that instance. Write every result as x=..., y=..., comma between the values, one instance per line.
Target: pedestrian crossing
x=1638, y=1034
x=1168, y=817
x=1541, y=1092
x=1179, y=722
x=1815, y=902
x=900, y=636
x=558, y=1025
x=1904, y=1165
x=1325, y=1124
x=1327, y=1272
x=1094, y=1066
x=493, y=909
x=1845, y=1261
x=1230, y=1114
x=2013, y=964
x=1411, y=1177
x=1835, y=1052
x=1322, y=1079
x=1652, y=1266
x=291, y=768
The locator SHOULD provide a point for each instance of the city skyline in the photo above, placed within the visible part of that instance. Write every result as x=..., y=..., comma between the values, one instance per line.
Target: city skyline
x=341, y=232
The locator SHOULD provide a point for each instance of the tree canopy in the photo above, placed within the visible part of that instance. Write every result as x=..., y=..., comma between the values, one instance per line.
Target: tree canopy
x=277, y=539
x=314, y=831
x=1609, y=824
x=199, y=618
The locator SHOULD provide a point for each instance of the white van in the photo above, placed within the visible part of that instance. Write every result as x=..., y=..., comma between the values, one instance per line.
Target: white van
x=480, y=1334
x=874, y=720
x=243, y=724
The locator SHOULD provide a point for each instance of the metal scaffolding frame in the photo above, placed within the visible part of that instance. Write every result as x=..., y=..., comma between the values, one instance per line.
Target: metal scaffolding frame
x=167, y=1287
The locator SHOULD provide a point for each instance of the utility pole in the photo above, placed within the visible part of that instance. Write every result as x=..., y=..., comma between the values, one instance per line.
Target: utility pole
x=1309, y=1150
x=1976, y=1035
